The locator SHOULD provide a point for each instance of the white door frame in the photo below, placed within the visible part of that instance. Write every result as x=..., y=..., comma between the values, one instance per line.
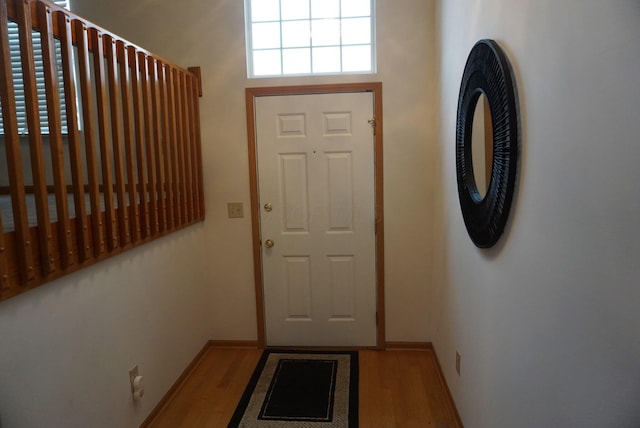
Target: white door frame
x=250, y=95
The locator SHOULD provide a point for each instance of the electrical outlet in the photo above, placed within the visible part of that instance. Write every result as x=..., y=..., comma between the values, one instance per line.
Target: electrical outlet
x=133, y=373
x=137, y=384
x=458, y=358
x=235, y=209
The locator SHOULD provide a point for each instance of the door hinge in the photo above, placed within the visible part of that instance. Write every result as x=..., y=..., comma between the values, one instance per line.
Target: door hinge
x=372, y=122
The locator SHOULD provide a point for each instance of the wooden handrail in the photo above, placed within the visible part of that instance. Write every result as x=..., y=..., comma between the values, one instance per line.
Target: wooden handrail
x=133, y=150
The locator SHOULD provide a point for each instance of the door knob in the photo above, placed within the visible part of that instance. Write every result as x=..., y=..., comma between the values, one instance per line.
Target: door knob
x=269, y=243
x=268, y=207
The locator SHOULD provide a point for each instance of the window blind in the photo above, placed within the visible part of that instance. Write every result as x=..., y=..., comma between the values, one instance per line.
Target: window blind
x=18, y=80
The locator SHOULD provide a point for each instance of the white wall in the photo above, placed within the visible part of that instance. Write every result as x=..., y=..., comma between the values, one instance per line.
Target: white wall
x=547, y=322
x=67, y=347
x=211, y=34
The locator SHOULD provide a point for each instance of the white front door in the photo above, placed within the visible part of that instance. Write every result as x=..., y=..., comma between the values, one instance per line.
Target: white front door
x=317, y=218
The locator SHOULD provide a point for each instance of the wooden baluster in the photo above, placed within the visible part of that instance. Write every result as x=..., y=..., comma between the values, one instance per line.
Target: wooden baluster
x=196, y=115
x=84, y=77
x=52, y=89
x=4, y=267
x=193, y=170
x=145, y=219
x=166, y=143
x=157, y=143
x=173, y=144
x=75, y=156
x=97, y=41
x=112, y=74
x=186, y=145
x=151, y=172
x=125, y=80
x=179, y=147
x=46, y=250
x=14, y=158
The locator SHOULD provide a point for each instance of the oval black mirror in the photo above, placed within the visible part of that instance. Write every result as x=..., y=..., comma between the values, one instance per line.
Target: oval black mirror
x=487, y=74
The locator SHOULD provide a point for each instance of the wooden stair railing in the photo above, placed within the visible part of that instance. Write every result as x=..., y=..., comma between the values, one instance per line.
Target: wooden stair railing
x=126, y=170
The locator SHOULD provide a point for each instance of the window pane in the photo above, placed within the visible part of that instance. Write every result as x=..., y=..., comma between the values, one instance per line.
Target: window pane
x=356, y=58
x=295, y=9
x=326, y=60
x=265, y=10
x=266, y=63
x=18, y=81
x=295, y=34
x=356, y=8
x=325, y=8
x=325, y=32
x=1, y=127
x=266, y=36
x=356, y=31
x=296, y=61
x=309, y=36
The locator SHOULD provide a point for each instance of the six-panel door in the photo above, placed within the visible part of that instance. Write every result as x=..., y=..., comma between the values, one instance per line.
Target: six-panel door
x=317, y=209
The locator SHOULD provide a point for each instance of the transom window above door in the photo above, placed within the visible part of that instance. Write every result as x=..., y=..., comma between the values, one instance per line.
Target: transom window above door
x=309, y=37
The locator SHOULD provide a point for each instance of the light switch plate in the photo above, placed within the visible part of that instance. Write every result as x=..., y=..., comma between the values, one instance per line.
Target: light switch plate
x=235, y=209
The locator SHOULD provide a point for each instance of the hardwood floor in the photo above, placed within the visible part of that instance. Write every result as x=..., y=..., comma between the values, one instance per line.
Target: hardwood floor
x=398, y=388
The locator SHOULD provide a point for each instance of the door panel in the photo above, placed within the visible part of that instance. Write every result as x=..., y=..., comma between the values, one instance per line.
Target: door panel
x=294, y=191
x=298, y=286
x=342, y=288
x=340, y=191
x=316, y=170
